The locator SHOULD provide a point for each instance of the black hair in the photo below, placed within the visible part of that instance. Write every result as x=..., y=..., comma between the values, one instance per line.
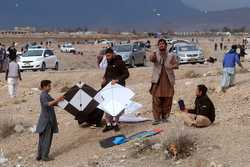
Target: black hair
x=109, y=50
x=162, y=40
x=203, y=89
x=45, y=83
x=12, y=57
x=234, y=47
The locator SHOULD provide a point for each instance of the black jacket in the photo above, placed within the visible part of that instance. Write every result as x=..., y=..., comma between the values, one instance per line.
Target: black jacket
x=116, y=70
x=205, y=107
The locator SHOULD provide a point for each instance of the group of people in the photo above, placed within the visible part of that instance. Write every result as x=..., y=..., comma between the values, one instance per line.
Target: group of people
x=8, y=63
x=116, y=72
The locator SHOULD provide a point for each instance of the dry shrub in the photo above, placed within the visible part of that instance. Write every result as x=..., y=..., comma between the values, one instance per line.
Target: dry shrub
x=191, y=74
x=6, y=128
x=19, y=101
x=64, y=89
x=179, y=147
x=179, y=143
x=144, y=147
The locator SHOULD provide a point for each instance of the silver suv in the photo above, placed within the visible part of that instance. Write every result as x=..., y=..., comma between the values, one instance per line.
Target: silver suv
x=188, y=53
x=131, y=54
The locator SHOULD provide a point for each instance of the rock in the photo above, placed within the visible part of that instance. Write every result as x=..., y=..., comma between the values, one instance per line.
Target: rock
x=32, y=129
x=210, y=148
x=19, y=128
x=18, y=165
x=157, y=146
x=3, y=159
x=19, y=157
x=178, y=162
x=212, y=164
x=123, y=149
x=124, y=157
x=35, y=89
x=188, y=83
x=121, y=161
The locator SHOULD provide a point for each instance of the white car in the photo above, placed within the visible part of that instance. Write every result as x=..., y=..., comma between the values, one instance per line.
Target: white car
x=247, y=56
x=104, y=42
x=67, y=48
x=38, y=59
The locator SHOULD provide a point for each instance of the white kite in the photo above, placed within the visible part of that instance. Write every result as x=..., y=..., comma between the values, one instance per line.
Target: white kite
x=116, y=99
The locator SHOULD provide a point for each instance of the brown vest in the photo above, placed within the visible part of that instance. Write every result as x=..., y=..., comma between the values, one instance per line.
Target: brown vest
x=170, y=64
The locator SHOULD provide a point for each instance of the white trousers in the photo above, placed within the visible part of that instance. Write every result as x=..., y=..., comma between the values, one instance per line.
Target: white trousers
x=12, y=86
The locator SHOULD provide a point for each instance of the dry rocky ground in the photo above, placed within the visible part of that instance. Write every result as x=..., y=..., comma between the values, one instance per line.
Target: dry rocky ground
x=224, y=144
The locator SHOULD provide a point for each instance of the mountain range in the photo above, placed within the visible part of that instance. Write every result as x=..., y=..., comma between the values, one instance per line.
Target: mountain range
x=117, y=14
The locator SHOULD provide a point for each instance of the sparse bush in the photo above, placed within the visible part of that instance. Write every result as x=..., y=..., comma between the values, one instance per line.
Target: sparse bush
x=191, y=74
x=64, y=89
x=6, y=128
x=179, y=147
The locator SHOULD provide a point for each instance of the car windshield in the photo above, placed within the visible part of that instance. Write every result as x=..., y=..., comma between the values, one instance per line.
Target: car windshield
x=33, y=53
x=123, y=48
x=188, y=48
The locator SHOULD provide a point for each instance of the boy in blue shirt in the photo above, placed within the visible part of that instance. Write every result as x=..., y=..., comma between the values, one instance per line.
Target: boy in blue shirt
x=47, y=123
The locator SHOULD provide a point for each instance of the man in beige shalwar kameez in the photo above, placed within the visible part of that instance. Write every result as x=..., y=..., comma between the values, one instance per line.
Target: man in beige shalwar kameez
x=163, y=80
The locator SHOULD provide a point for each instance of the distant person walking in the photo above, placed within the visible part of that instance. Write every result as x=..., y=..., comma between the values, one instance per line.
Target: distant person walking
x=2, y=57
x=229, y=63
x=12, y=75
x=163, y=80
x=242, y=52
x=215, y=47
x=221, y=46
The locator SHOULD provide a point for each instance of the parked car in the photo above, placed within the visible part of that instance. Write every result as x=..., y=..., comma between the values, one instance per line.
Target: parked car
x=38, y=59
x=131, y=54
x=140, y=44
x=104, y=42
x=247, y=56
x=67, y=48
x=188, y=53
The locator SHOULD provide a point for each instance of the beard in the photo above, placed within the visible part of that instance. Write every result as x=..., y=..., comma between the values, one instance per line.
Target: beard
x=163, y=50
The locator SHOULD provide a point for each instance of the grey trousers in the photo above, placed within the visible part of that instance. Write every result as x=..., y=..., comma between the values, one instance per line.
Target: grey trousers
x=45, y=140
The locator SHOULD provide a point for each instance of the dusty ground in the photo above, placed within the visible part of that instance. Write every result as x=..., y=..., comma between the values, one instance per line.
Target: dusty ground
x=226, y=143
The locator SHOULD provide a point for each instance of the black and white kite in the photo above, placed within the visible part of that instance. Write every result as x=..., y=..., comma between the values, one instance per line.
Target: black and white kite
x=80, y=101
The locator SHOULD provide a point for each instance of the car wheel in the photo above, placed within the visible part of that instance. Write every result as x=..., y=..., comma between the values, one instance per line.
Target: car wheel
x=202, y=62
x=43, y=68
x=56, y=67
x=133, y=62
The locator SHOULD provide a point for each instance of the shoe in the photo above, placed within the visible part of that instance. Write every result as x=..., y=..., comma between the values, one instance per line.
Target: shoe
x=47, y=159
x=164, y=120
x=38, y=158
x=107, y=128
x=116, y=128
x=99, y=125
x=155, y=122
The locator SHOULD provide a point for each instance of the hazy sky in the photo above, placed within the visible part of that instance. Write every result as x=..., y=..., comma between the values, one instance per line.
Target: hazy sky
x=218, y=4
